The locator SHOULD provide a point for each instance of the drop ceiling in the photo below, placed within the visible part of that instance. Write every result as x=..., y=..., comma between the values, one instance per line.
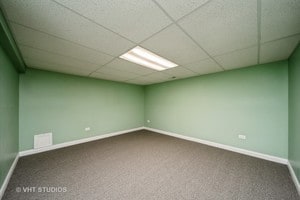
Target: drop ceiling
x=86, y=37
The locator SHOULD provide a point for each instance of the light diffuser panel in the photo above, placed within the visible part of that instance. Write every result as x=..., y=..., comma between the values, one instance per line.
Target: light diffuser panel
x=146, y=58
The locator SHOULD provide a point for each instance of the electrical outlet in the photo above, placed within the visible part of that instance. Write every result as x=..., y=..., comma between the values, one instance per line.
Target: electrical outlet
x=148, y=121
x=242, y=137
x=87, y=129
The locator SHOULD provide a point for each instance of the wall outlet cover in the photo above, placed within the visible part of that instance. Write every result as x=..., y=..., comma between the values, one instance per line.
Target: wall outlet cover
x=243, y=137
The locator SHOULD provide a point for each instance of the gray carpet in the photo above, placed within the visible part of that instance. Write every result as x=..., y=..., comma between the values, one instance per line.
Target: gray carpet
x=147, y=165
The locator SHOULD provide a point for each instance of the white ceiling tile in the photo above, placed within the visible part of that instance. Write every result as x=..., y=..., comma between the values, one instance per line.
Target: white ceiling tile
x=179, y=8
x=59, y=60
x=111, y=74
x=117, y=73
x=107, y=77
x=50, y=17
x=204, y=67
x=134, y=19
x=140, y=81
x=237, y=59
x=158, y=76
x=174, y=45
x=278, y=50
x=113, y=77
x=38, y=64
x=279, y=18
x=29, y=37
x=221, y=26
x=148, y=78
x=53, y=37
x=124, y=65
x=179, y=72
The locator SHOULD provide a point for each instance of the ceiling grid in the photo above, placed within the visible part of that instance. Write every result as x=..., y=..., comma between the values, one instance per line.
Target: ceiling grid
x=87, y=37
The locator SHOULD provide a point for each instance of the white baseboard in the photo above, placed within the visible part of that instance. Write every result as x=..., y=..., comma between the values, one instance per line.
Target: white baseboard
x=222, y=146
x=84, y=140
x=294, y=177
x=7, y=178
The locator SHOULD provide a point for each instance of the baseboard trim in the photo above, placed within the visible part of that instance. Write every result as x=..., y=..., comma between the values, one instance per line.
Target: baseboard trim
x=222, y=146
x=294, y=177
x=74, y=142
x=8, y=176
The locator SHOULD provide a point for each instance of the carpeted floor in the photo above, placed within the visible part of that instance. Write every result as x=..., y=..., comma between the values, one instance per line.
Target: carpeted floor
x=146, y=165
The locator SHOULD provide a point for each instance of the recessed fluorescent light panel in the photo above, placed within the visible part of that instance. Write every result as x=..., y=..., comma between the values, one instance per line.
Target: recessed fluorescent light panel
x=146, y=58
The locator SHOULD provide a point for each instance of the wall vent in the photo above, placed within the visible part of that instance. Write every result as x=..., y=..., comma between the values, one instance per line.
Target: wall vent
x=42, y=140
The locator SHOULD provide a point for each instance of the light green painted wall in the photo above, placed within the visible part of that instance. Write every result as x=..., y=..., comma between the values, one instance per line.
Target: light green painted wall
x=294, y=111
x=252, y=101
x=9, y=119
x=66, y=104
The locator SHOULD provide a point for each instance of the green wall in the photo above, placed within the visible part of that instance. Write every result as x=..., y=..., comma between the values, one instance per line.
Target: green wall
x=252, y=101
x=294, y=111
x=9, y=119
x=66, y=104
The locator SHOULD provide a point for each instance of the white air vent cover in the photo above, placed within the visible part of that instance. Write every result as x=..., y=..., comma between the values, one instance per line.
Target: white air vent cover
x=42, y=140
